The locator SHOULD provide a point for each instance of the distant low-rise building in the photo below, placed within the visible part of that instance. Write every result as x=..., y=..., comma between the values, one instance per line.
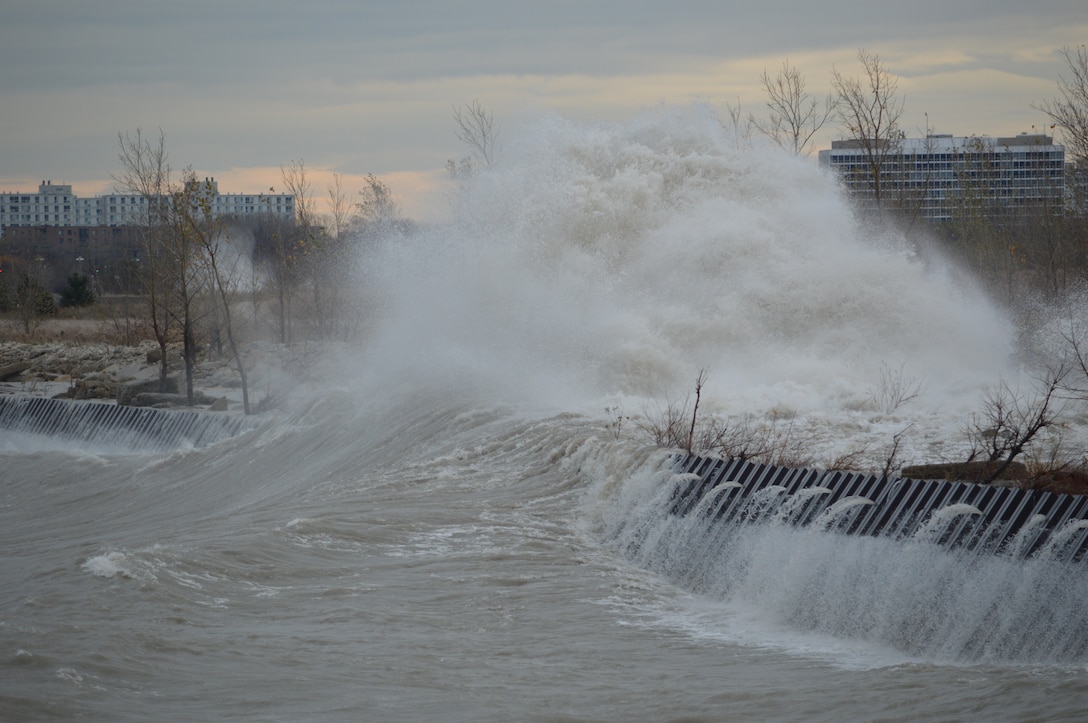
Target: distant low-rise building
x=55, y=205
x=57, y=233
x=939, y=175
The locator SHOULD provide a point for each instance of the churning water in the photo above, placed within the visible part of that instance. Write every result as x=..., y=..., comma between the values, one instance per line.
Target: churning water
x=452, y=528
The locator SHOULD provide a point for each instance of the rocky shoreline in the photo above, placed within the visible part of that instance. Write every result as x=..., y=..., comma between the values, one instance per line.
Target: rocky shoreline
x=129, y=375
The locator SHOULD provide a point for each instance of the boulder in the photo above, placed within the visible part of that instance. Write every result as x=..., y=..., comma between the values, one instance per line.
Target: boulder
x=160, y=399
x=126, y=392
x=13, y=370
x=154, y=356
x=92, y=387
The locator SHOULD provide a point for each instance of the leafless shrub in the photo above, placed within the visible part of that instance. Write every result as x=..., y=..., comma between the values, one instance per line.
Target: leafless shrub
x=1076, y=385
x=891, y=462
x=894, y=389
x=664, y=424
x=670, y=426
x=850, y=460
x=1010, y=422
x=772, y=439
x=616, y=420
x=1053, y=460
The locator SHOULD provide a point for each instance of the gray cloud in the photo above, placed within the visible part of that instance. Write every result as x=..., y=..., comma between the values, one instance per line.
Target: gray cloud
x=369, y=85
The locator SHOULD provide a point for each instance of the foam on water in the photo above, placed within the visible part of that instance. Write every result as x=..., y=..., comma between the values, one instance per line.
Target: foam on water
x=110, y=564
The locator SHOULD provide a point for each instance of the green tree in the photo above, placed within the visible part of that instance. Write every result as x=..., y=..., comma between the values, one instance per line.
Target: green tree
x=77, y=292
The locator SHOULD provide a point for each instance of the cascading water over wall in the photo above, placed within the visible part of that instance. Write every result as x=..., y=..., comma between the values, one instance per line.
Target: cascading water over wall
x=980, y=518
x=936, y=570
x=140, y=428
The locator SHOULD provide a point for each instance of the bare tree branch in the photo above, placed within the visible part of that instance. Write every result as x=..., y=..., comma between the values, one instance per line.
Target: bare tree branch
x=870, y=111
x=1010, y=423
x=476, y=128
x=794, y=115
x=1069, y=112
x=341, y=210
x=298, y=185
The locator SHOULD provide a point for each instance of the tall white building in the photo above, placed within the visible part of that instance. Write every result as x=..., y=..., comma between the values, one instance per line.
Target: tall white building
x=56, y=205
x=940, y=173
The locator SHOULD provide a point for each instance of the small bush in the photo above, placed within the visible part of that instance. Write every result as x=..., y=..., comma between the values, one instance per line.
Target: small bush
x=77, y=292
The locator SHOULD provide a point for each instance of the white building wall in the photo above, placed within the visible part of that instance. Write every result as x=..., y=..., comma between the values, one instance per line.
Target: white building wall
x=56, y=205
x=937, y=170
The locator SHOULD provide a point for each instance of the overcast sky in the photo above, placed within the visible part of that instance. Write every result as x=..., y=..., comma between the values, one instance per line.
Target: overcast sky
x=243, y=87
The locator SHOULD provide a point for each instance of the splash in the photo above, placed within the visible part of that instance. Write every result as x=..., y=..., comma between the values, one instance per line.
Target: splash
x=617, y=260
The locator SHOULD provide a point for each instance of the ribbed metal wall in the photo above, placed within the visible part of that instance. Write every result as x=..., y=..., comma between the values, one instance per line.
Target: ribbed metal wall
x=998, y=520
x=137, y=427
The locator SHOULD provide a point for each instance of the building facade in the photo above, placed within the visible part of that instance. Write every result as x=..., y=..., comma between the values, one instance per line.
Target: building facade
x=56, y=205
x=941, y=175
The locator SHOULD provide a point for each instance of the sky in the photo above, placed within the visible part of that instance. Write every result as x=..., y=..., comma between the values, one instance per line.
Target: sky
x=242, y=88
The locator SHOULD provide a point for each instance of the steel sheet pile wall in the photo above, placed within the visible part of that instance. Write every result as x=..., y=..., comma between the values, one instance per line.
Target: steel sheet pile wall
x=137, y=427
x=998, y=520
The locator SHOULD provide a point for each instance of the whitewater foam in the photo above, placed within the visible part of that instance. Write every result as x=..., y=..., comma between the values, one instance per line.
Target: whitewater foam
x=607, y=264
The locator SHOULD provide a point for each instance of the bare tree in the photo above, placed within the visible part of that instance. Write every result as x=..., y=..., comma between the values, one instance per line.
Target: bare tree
x=31, y=297
x=376, y=203
x=741, y=126
x=297, y=183
x=208, y=234
x=794, y=116
x=145, y=172
x=341, y=210
x=869, y=111
x=1070, y=111
x=182, y=253
x=476, y=128
x=291, y=244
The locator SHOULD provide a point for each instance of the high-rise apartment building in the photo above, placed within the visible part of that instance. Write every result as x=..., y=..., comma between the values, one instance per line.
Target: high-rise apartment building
x=938, y=175
x=56, y=205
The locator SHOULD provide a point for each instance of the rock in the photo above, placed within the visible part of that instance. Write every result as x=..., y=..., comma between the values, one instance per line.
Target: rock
x=105, y=371
x=91, y=388
x=13, y=370
x=126, y=392
x=154, y=356
x=159, y=399
x=219, y=405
